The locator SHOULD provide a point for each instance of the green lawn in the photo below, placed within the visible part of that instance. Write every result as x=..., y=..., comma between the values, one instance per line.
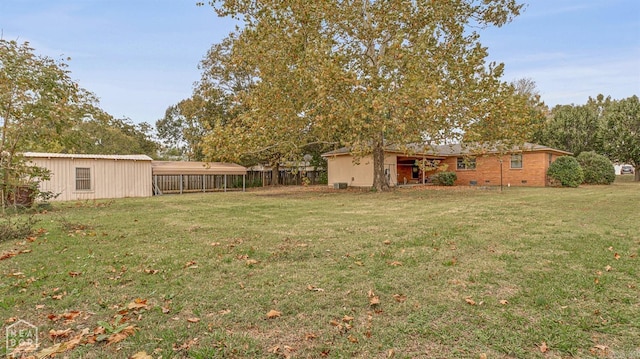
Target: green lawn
x=308, y=273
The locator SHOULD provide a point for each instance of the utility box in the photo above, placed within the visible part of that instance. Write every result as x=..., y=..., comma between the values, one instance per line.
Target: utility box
x=340, y=185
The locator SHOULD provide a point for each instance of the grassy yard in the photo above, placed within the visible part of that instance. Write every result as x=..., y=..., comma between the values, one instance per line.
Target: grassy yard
x=311, y=273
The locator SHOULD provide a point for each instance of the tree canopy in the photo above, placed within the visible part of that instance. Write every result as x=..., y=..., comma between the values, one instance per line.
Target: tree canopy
x=364, y=74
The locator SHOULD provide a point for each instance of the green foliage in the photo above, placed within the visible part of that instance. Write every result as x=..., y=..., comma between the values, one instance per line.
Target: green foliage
x=567, y=171
x=574, y=128
x=444, y=178
x=597, y=169
x=363, y=74
x=622, y=132
x=40, y=109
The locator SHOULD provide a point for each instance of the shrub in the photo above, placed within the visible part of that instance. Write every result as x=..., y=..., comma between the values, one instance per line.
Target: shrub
x=14, y=227
x=567, y=171
x=597, y=168
x=444, y=178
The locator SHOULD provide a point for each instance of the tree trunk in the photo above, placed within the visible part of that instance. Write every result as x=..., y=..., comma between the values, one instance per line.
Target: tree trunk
x=380, y=178
x=275, y=173
x=636, y=176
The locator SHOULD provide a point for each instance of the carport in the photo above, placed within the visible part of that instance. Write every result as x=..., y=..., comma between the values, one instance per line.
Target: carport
x=188, y=177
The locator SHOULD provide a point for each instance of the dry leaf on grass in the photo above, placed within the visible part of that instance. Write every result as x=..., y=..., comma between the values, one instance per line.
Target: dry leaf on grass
x=273, y=314
x=395, y=264
x=314, y=289
x=55, y=334
x=193, y=320
x=504, y=302
x=75, y=274
x=122, y=335
x=191, y=264
x=470, y=301
x=400, y=298
x=543, y=347
x=138, y=303
x=141, y=355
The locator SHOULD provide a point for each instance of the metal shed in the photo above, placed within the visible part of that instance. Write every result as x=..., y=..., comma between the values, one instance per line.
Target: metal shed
x=184, y=177
x=88, y=177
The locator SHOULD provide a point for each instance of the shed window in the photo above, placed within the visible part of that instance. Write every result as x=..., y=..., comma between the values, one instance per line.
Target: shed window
x=516, y=160
x=466, y=163
x=83, y=179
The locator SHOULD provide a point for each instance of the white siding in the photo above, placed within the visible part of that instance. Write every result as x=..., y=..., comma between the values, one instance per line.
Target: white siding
x=342, y=169
x=110, y=178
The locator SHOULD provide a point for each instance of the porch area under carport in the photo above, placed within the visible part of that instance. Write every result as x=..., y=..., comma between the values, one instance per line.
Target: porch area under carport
x=416, y=169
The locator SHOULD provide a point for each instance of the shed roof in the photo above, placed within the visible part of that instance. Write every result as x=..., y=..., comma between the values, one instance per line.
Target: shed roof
x=196, y=168
x=87, y=156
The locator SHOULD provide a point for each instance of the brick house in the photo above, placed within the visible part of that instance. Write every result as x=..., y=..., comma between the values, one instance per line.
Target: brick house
x=525, y=166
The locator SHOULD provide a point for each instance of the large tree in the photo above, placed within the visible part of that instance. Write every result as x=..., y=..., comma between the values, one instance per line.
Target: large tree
x=40, y=106
x=621, y=132
x=576, y=128
x=363, y=73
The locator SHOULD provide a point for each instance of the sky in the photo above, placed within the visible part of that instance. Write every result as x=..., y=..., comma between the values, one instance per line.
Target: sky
x=141, y=56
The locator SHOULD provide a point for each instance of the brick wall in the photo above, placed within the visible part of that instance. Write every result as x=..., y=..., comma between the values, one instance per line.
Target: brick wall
x=487, y=171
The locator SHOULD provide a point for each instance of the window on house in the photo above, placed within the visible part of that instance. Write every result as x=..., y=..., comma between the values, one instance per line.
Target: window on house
x=516, y=160
x=83, y=179
x=466, y=163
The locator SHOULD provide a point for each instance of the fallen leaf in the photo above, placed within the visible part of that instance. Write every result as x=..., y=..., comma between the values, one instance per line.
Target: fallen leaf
x=359, y=263
x=193, y=320
x=191, y=264
x=347, y=319
x=141, y=355
x=250, y=262
x=7, y=255
x=70, y=316
x=504, y=302
x=224, y=311
x=387, y=242
x=273, y=314
x=608, y=268
x=375, y=300
x=138, y=303
x=151, y=271
x=314, y=289
x=543, y=347
x=391, y=353
x=186, y=345
x=122, y=335
x=395, y=264
x=75, y=274
x=616, y=256
x=400, y=298
x=310, y=336
x=55, y=334
x=483, y=356
x=352, y=339
x=470, y=301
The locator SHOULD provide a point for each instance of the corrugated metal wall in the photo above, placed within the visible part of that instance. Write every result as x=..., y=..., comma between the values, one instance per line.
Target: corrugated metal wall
x=109, y=178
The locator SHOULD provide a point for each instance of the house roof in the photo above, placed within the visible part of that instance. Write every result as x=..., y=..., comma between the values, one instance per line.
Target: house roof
x=196, y=168
x=87, y=156
x=451, y=150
